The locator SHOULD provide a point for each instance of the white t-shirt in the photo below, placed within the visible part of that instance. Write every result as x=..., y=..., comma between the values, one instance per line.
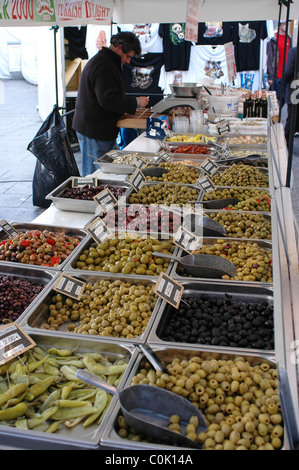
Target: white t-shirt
x=147, y=34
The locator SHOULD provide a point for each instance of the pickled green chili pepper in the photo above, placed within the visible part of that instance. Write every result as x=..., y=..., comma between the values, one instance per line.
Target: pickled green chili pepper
x=39, y=388
x=34, y=422
x=13, y=392
x=99, y=404
x=13, y=412
x=71, y=413
x=98, y=369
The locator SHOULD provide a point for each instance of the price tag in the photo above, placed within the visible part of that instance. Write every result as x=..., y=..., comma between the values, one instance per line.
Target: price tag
x=225, y=150
x=82, y=181
x=139, y=162
x=106, y=200
x=11, y=232
x=113, y=154
x=223, y=128
x=187, y=240
x=13, y=342
x=167, y=157
x=169, y=290
x=137, y=180
x=164, y=145
x=209, y=166
x=206, y=184
x=69, y=286
x=98, y=230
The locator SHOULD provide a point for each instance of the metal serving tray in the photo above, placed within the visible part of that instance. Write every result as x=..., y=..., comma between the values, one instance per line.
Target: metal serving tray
x=270, y=190
x=107, y=165
x=209, y=241
x=266, y=215
x=76, y=437
x=150, y=183
x=227, y=138
x=219, y=291
x=30, y=274
x=265, y=172
x=38, y=314
x=24, y=227
x=173, y=145
x=160, y=236
x=110, y=438
x=81, y=205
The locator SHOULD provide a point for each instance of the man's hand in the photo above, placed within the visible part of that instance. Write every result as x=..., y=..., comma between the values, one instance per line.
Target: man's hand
x=143, y=101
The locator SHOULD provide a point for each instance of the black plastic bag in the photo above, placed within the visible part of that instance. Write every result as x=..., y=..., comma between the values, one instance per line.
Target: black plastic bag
x=55, y=158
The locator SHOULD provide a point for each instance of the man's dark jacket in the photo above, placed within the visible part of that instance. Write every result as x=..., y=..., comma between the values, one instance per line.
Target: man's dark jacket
x=101, y=99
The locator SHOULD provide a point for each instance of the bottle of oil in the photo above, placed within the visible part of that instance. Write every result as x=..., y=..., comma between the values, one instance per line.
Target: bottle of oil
x=248, y=106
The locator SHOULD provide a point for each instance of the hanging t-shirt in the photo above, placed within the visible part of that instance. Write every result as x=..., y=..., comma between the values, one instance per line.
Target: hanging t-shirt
x=209, y=62
x=76, y=38
x=214, y=33
x=176, y=50
x=142, y=76
x=247, y=42
x=148, y=35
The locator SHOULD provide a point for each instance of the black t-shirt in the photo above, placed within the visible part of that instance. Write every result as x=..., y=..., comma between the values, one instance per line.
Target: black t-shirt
x=214, y=33
x=142, y=76
x=76, y=38
x=176, y=50
x=247, y=37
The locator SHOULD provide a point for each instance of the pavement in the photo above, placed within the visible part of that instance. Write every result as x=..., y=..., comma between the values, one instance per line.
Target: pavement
x=19, y=122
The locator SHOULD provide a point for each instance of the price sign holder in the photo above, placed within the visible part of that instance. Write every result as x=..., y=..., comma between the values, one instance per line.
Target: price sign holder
x=70, y=286
x=139, y=162
x=186, y=240
x=98, y=230
x=206, y=184
x=209, y=167
x=13, y=342
x=137, y=180
x=113, y=154
x=169, y=290
x=106, y=200
x=167, y=157
x=223, y=127
x=8, y=229
x=78, y=181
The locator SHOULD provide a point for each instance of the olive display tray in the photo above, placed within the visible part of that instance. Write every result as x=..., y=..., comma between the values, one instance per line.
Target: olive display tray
x=194, y=289
x=107, y=165
x=24, y=227
x=75, y=437
x=110, y=437
x=209, y=241
x=200, y=156
x=269, y=190
x=264, y=171
x=30, y=274
x=266, y=215
x=160, y=236
x=258, y=146
x=151, y=183
x=81, y=205
x=38, y=313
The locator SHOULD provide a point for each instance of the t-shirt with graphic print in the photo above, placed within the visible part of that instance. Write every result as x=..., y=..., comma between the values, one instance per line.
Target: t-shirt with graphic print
x=176, y=50
x=214, y=33
x=247, y=42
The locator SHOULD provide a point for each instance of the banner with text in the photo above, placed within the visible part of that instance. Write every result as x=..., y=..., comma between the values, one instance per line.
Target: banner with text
x=55, y=12
x=191, y=28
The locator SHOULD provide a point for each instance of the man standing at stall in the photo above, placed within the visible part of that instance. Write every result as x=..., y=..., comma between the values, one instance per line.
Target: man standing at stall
x=102, y=101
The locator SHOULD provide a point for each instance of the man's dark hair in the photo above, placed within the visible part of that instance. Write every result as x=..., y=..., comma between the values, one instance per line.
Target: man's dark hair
x=129, y=41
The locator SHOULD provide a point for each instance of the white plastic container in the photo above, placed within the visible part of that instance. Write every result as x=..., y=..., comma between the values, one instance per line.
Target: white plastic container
x=223, y=106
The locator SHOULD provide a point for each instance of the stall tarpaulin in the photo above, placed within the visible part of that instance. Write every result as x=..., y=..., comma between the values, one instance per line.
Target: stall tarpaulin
x=55, y=12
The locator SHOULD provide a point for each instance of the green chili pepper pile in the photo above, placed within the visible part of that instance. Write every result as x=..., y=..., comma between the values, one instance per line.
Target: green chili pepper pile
x=40, y=390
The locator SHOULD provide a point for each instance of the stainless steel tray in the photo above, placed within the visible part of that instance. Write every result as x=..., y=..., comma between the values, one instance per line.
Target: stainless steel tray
x=268, y=191
x=76, y=437
x=226, y=139
x=173, y=145
x=37, y=315
x=107, y=165
x=81, y=205
x=193, y=186
x=29, y=273
x=71, y=266
x=110, y=437
x=264, y=171
x=218, y=291
x=24, y=227
x=266, y=215
x=209, y=241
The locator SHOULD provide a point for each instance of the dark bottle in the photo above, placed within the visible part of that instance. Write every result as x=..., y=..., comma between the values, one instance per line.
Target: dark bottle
x=248, y=106
x=264, y=104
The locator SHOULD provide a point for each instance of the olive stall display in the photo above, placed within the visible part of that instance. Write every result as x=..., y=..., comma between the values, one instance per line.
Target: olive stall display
x=38, y=247
x=237, y=395
x=88, y=191
x=177, y=173
x=112, y=308
x=252, y=260
x=164, y=193
x=243, y=224
x=137, y=217
x=241, y=175
x=251, y=199
x=193, y=138
x=191, y=149
x=239, y=139
x=126, y=255
x=219, y=321
x=15, y=296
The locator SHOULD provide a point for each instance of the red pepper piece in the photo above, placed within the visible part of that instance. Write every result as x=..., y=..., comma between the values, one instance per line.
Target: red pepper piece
x=25, y=243
x=50, y=242
x=55, y=260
